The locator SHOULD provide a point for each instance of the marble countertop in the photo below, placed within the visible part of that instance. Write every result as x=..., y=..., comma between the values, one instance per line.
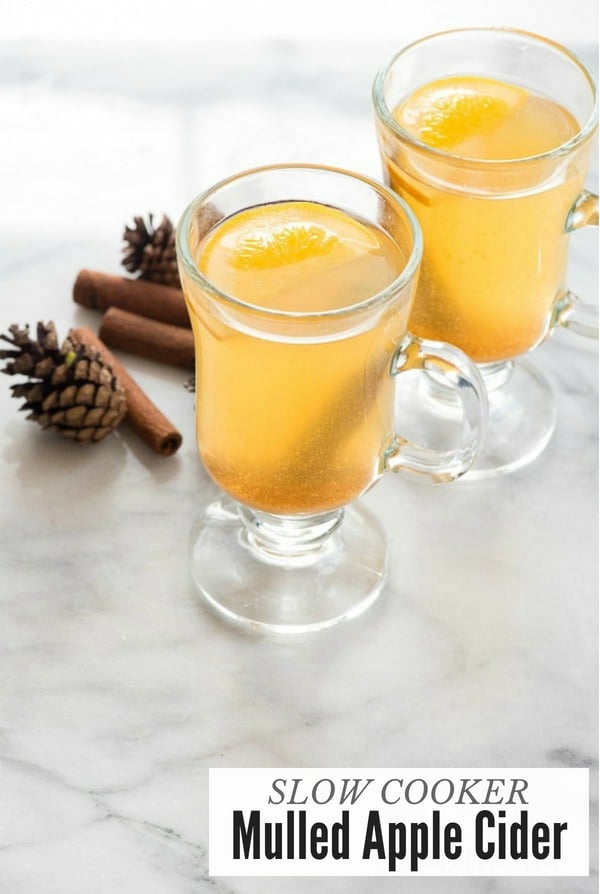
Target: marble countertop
x=118, y=688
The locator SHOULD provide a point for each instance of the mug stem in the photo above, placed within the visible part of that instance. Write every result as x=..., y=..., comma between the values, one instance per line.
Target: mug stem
x=292, y=541
x=496, y=375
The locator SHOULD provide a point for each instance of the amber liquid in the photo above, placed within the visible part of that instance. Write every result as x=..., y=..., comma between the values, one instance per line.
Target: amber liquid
x=294, y=414
x=495, y=245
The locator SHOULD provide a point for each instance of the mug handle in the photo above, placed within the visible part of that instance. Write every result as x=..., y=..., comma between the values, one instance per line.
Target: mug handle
x=570, y=311
x=459, y=373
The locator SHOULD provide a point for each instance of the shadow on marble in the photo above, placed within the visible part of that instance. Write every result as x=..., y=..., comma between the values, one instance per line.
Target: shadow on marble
x=47, y=464
x=161, y=468
x=33, y=454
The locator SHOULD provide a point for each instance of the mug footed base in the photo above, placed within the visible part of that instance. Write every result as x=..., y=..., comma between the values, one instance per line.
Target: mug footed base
x=522, y=416
x=250, y=585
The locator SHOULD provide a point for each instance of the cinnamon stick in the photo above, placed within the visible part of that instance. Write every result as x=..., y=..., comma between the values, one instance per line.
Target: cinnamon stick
x=144, y=417
x=147, y=338
x=101, y=291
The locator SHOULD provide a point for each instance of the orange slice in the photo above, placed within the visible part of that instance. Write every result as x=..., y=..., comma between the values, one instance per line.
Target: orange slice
x=446, y=113
x=286, y=244
x=300, y=256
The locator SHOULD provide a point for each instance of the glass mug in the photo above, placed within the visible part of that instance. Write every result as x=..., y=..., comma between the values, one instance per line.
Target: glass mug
x=294, y=414
x=495, y=231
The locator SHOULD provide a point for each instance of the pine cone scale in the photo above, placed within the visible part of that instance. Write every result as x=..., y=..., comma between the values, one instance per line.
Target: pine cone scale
x=23, y=364
x=51, y=400
x=60, y=375
x=74, y=416
x=43, y=368
x=103, y=396
x=93, y=417
x=67, y=396
x=109, y=416
x=86, y=394
x=42, y=419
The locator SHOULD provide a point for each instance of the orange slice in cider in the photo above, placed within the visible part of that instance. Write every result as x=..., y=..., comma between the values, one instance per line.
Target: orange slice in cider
x=286, y=244
x=450, y=113
x=299, y=256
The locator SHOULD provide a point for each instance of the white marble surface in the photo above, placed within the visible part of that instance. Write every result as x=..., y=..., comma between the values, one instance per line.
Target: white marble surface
x=118, y=689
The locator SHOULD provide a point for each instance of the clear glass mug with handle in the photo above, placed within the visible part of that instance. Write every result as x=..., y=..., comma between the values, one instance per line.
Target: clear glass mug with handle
x=495, y=229
x=294, y=411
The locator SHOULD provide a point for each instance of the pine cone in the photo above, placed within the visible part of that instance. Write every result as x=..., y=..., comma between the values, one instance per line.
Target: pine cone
x=151, y=252
x=70, y=389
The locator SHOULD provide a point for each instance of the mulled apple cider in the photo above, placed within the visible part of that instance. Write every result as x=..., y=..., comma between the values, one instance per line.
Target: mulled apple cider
x=299, y=281
x=294, y=424
x=495, y=241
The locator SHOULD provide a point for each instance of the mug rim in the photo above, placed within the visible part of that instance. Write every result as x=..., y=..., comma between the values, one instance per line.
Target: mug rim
x=384, y=113
x=406, y=274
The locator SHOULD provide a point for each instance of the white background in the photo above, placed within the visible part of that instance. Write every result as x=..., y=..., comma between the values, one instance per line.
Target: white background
x=574, y=21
